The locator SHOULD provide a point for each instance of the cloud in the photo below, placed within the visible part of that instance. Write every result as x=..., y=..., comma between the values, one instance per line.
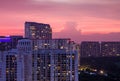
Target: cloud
x=110, y=10
x=81, y=1
x=101, y=37
x=70, y=31
x=86, y=14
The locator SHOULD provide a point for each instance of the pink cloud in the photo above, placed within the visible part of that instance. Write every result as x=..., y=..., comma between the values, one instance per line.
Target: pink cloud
x=62, y=9
x=77, y=36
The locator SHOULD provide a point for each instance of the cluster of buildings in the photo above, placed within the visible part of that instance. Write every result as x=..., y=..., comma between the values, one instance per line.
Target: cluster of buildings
x=38, y=57
x=99, y=49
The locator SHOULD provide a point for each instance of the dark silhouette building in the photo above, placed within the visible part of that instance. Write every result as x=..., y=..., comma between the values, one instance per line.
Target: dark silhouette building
x=14, y=40
x=5, y=43
x=8, y=42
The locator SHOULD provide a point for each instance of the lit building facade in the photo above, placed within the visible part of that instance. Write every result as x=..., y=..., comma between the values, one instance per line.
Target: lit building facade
x=90, y=49
x=54, y=65
x=51, y=44
x=11, y=66
x=38, y=57
x=49, y=60
x=35, y=30
x=4, y=46
x=110, y=48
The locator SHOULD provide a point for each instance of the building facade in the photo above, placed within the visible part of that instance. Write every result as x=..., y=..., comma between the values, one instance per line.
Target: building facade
x=5, y=43
x=110, y=48
x=14, y=41
x=35, y=30
x=9, y=42
x=2, y=66
x=12, y=66
x=49, y=60
x=38, y=57
x=54, y=65
x=90, y=49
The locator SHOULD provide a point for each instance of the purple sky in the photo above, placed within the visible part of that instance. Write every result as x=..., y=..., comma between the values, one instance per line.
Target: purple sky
x=77, y=19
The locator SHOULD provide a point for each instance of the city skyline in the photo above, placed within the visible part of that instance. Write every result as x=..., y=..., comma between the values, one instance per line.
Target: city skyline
x=38, y=57
x=87, y=20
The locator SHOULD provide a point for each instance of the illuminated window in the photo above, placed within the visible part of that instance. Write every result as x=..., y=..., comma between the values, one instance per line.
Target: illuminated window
x=33, y=33
x=106, y=45
x=32, y=27
x=61, y=47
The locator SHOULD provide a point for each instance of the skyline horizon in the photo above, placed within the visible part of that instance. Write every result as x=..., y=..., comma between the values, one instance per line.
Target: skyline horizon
x=84, y=37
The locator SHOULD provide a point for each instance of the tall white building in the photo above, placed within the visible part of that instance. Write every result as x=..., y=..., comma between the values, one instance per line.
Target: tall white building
x=39, y=57
x=40, y=60
x=49, y=60
x=25, y=49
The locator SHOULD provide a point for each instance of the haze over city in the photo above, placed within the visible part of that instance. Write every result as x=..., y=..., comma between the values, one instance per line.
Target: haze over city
x=79, y=20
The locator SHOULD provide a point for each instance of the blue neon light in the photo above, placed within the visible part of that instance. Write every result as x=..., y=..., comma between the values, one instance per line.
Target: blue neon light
x=5, y=39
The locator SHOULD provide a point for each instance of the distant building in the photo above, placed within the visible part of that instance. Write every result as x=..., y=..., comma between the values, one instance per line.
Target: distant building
x=5, y=43
x=35, y=30
x=90, y=49
x=110, y=48
x=14, y=40
x=9, y=42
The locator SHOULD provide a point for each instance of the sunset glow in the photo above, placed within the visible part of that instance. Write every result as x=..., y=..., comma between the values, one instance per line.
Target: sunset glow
x=89, y=16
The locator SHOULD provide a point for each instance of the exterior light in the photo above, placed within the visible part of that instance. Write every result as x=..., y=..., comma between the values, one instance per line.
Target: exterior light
x=101, y=72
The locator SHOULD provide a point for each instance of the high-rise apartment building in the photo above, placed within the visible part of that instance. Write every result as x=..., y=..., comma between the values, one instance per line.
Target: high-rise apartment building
x=24, y=48
x=9, y=42
x=52, y=60
x=110, y=48
x=35, y=30
x=90, y=49
x=38, y=57
x=54, y=65
x=11, y=66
